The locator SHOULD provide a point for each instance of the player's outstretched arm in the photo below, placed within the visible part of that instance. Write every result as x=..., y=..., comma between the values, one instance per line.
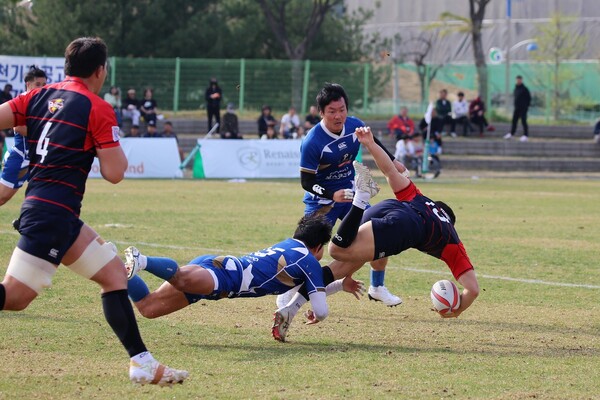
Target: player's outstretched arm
x=468, y=280
x=395, y=179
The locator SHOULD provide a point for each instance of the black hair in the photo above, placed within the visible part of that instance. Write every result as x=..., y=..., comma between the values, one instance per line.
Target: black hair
x=84, y=55
x=447, y=210
x=331, y=92
x=313, y=230
x=34, y=72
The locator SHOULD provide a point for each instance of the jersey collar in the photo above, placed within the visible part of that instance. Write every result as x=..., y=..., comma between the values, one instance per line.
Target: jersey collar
x=333, y=135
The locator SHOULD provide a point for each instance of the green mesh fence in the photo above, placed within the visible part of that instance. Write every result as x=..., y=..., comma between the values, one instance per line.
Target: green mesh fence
x=373, y=89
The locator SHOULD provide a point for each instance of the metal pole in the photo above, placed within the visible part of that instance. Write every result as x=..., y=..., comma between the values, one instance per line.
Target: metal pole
x=507, y=55
x=242, y=84
x=366, y=88
x=113, y=71
x=176, y=86
x=305, y=86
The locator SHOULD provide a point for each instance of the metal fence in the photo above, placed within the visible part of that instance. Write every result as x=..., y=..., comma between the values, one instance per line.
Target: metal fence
x=373, y=88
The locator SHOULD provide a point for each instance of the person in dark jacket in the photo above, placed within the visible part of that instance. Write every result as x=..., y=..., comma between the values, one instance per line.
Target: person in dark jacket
x=522, y=102
x=213, y=103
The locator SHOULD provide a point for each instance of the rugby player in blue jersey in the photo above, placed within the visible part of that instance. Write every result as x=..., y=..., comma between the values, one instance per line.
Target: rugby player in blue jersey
x=68, y=125
x=273, y=270
x=327, y=175
x=16, y=162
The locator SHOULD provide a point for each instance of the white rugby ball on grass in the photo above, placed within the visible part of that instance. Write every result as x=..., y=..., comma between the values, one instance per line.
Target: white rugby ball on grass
x=445, y=296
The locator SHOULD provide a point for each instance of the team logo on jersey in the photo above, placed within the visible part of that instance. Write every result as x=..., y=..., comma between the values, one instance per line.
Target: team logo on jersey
x=342, y=146
x=345, y=160
x=115, y=133
x=55, y=104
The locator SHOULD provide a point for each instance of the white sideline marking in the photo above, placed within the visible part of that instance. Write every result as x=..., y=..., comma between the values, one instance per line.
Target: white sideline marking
x=507, y=278
x=422, y=271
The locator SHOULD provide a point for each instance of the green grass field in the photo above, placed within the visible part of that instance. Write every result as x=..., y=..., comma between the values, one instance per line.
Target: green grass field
x=534, y=332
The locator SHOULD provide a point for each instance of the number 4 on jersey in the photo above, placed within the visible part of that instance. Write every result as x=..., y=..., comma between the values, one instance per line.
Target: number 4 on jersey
x=42, y=145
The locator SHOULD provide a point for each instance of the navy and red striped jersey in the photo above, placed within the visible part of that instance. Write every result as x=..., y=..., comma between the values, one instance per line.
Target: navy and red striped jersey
x=66, y=123
x=442, y=241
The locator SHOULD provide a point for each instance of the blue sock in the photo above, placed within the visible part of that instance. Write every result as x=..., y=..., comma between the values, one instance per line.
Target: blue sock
x=163, y=267
x=377, y=278
x=137, y=289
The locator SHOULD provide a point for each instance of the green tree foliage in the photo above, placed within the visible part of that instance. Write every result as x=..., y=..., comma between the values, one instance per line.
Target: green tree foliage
x=176, y=28
x=558, y=42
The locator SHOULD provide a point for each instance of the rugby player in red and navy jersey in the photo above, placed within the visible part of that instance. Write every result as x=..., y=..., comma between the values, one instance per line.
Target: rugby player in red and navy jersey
x=411, y=220
x=68, y=125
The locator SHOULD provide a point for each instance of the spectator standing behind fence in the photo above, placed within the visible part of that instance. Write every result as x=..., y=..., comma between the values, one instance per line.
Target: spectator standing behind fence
x=443, y=109
x=460, y=109
x=213, y=103
x=230, y=128
x=477, y=114
x=401, y=126
x=169, y=133
x=312, y=118
x=148, y=108
x=113, y=97
x=265, y=121
x=131, y=109
x=522, y=101
x=290, y=125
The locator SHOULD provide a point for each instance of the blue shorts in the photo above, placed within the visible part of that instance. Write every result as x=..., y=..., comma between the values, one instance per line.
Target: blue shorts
x=47, y=232
x=332, y=212
x=396, y=227
x=228, y=272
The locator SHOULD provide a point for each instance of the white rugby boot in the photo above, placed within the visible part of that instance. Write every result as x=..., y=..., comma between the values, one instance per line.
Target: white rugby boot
x=134, y=261
x=281, y=324
x=154, y=373
x=364, y=180
x=381, y=293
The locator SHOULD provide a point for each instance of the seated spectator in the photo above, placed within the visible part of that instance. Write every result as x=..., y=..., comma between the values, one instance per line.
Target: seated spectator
x=405, y=149
x=6, y=94
x=312, y=118
x=230, y=128
x=597, y=132
x=113, y=97
x=151, y=130
x=148, y=107
x=401, y=126
x=265, y=120
x=290, y=125
x=271, y=134
x=134, y=132
x=443, y=110
x=169, y=133
x=460, y=110
x=130, y=109
x=477, y=114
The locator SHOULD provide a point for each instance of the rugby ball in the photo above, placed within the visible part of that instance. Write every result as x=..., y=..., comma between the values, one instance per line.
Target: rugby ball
x=445, y=296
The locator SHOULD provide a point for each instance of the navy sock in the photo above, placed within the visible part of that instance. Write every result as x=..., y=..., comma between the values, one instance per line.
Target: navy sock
x=2, y=296
x=348, y=228
x=119, y=315
x=163, y=267
x=137, y=289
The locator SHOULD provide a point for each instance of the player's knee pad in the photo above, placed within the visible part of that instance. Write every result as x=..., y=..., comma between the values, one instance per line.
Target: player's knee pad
x=30, y=270
x=93, y=258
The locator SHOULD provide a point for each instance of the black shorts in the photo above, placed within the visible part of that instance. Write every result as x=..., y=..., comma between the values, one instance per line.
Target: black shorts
x=396, y=227
x=48, y=233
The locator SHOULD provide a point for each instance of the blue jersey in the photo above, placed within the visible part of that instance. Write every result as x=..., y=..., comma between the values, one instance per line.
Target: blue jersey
x=16, y=164
x=330, y=157
x=274, y=270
